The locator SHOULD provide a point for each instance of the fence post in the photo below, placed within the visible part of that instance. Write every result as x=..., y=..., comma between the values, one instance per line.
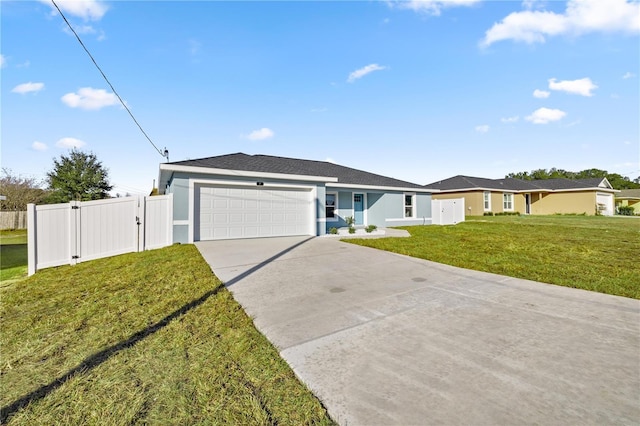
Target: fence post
x=31, y=240
x=142, y=222
x=74, y=232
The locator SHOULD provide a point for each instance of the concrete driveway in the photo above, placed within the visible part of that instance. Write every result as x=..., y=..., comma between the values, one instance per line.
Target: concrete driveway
x=387, y=339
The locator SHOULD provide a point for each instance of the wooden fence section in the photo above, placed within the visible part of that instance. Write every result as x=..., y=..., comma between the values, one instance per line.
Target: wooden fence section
x=75, y=232
x=13, y=220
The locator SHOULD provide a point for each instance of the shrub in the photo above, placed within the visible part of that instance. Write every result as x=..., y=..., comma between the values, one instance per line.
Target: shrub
x=488, y=214
x=370, y=228
x=333, y=231
x=352, y=230
x=350, y=221
x=626, y=211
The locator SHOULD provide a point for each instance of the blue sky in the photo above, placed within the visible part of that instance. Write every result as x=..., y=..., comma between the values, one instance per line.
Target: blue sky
x=419, y=91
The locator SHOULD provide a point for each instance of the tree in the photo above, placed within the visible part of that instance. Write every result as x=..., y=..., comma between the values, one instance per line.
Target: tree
x=78, y=176
x=19, y=191
x=617, y=181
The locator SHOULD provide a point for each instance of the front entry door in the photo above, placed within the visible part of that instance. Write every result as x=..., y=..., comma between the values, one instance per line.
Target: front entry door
x=358, y=209
x=527, y=203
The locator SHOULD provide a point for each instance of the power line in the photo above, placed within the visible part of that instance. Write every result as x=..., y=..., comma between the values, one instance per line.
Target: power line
x=164, y=153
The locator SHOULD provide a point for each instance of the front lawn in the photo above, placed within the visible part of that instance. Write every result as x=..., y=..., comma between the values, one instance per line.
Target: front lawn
x=13, y=254
x=142, y=338
x=588, y=252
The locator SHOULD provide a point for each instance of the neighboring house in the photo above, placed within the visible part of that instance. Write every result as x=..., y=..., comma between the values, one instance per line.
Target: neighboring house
x=246, y=196
x=538, y=197
x=629, y=197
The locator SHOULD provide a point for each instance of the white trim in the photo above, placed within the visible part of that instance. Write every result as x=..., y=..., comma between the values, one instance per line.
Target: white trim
x=313, y=190
x=414, y=201
x=241, y=173
x=181, y=222
x=486, y=209
x=408, y=219
x=335, y=217
x=481, y=188
x=523, y=191
x=511, y=200
x=383, y=188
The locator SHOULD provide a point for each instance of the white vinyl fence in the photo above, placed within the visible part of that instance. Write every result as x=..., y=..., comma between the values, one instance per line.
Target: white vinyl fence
x=447, y=212
x=60, y=234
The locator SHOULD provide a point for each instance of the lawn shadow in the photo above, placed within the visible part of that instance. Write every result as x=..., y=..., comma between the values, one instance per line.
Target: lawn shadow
x=98, y=358
x=12, y=255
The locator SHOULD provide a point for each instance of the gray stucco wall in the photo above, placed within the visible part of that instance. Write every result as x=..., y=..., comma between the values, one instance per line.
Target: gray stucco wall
x=382, y=208
x=321, y=229
x=179, y=187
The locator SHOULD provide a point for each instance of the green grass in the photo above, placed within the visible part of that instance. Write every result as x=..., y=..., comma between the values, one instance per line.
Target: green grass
x=142, y=338
x=588, y=252
x=13, y=254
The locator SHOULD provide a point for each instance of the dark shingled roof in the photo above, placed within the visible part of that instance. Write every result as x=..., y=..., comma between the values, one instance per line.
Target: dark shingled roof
x=629, y=193
x=510, y=184
x=467, y=182
x=294, y=166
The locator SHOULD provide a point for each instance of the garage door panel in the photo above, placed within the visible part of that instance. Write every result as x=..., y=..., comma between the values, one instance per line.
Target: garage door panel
x=226, y=213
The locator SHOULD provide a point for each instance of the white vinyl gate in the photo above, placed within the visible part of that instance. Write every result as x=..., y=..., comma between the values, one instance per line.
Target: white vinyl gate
x=447, y=212
x=75, y=232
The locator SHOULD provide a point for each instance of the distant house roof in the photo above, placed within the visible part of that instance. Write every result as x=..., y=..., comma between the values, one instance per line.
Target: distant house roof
x=292, y=166
x=468, y=183
x=629, y=194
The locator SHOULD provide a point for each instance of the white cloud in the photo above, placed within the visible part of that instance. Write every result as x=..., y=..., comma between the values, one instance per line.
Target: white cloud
x=430, y=7
x=261, y=134
x=580, y=17
x=541, y=94
x=3, y=61
x=89, y=10
x=533, y=4
x=28, y=88
x=90, y=98
x=627, y=142
x=484, y=128
x=39, y=146
x=545, y=115
x=194, y=47
x=364, y=71
x=69, y=143
x=510, y=119
x=628, y=75
x=86, y=29
x=583, y=86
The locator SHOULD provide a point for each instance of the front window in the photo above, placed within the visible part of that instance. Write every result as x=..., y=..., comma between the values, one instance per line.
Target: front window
x=409, y=204
x=331, y=204
x=487, y=201
x=507, y=202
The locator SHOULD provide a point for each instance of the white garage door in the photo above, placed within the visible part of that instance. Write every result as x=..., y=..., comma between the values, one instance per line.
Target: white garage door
x=605, y=203
x=225, y=213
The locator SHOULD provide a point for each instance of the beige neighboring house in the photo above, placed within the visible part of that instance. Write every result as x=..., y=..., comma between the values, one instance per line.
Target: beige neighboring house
x=537, y=197
x=629, y=197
